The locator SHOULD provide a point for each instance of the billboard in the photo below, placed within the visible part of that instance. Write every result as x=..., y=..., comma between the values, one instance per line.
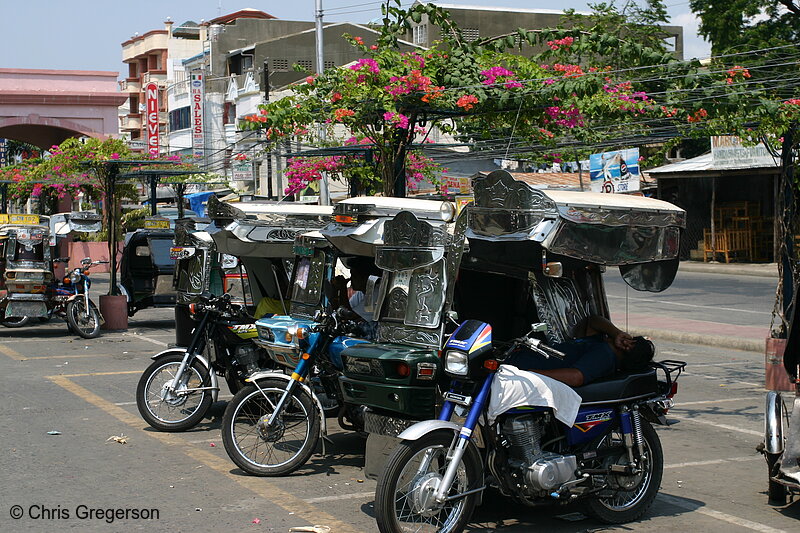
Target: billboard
x=196, y=90
x=615, y=171
x=151, y=105
x=3, y=152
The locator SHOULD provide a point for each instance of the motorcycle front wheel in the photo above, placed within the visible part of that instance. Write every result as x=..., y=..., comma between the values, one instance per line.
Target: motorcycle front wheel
x=629, y=496
x=178, y=409
x=86, y=324
x=270, y=450
x=404, y=496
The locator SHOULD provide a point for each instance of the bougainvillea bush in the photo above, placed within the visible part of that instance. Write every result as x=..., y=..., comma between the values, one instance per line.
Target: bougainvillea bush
x=599, y=84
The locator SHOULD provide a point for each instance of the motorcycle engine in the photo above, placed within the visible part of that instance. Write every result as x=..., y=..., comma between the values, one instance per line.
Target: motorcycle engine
x=247, y=356
x=540, y=471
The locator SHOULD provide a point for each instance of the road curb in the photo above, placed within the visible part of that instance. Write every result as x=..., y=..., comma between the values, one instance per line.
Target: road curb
x=720, y=341
x=765, y=270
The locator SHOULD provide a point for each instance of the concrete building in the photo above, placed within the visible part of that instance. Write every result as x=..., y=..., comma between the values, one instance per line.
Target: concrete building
x=486, y=21
x=152, y=57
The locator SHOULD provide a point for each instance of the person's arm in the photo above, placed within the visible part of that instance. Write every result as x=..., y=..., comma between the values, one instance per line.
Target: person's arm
x=599, y=324
x=571, y=376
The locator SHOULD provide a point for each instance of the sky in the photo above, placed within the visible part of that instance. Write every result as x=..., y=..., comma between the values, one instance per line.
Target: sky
x=88, y=34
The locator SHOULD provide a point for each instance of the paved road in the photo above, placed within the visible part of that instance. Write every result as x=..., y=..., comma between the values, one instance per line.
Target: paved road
x=726, y=310
x=714, y=481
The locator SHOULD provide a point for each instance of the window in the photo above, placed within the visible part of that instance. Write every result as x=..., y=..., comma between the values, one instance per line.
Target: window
x=179, y=119
x=471, y=34
x=420, y=34
x=240, y=63
x=330, y=64
x=229, y=113
x=280, y=65
x=306, y=64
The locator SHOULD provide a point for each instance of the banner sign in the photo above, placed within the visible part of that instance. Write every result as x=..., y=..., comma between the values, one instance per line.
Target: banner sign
x=3, y=152
x=196, y=90
x=615, y=171
x=729, y=152
x=151, y=104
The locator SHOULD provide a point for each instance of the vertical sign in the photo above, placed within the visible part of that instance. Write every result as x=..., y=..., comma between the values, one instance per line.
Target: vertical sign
x=196, y=93
x=3, y=152
x=151, y=104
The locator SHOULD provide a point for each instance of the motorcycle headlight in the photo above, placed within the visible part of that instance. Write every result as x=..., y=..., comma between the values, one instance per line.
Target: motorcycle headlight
x=456, y=362
x=74, y=276
x=295, y=333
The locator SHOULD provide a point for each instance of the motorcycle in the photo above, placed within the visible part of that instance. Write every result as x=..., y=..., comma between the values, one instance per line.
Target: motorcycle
x=272, y=426
x=601, y=448
x=72, y=302
x=176, y=391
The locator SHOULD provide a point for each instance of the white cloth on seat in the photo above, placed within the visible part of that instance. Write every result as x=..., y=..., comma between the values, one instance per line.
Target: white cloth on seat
x=512, y=387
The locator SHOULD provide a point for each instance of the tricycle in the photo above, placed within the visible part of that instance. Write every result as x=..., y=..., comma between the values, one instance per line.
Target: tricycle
x=225, y=272
x=31, y=290
x=530, y=257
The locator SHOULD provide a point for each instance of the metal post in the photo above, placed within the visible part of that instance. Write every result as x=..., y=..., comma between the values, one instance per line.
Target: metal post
x=324, y=194
x=153, y=182
x=111, y=210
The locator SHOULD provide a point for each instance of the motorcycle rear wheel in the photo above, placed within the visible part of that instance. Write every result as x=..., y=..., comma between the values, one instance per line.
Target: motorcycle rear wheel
x=276, y=450
x=87, y=325
x=166, y=411
x=402, y=498
x=629, y=505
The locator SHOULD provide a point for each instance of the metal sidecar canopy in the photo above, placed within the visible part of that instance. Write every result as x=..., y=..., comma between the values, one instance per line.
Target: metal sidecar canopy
x=640, y=235
x=358, y=223
x=62, y=224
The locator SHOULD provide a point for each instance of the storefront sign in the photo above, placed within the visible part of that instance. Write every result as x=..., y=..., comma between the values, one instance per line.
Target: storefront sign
x=197, y=89
x=458, y=185
x=729, y=152
x=242, y=171
x=615, y=171
x=151, y=104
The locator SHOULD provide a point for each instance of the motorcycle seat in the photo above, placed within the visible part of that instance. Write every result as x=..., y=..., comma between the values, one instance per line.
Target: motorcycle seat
x=620, y=386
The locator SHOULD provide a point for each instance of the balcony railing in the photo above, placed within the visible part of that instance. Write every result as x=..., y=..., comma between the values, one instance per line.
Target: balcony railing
x=131, y=85
x=131, y=122
x=158, y=76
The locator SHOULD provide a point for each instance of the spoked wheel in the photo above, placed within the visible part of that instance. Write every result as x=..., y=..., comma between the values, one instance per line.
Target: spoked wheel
x=178, y=409
x=629, y=496
x=404, y=497
x=16, y=321
x=84, y=323
x=264, y=449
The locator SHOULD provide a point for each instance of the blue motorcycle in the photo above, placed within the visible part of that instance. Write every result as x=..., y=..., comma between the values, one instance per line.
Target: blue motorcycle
x=536, y=440
x=272, y=426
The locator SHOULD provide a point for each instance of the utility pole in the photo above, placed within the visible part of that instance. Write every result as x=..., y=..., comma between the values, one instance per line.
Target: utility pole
x=324, y=194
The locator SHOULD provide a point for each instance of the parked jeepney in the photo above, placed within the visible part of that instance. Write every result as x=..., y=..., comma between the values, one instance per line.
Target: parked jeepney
x=530, y=256
x=27, y=264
